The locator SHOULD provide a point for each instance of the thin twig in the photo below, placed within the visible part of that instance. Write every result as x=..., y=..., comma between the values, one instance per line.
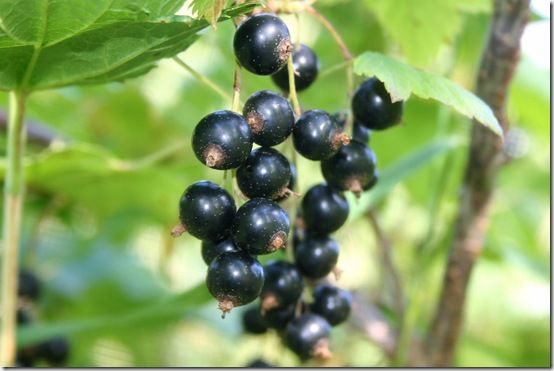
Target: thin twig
x=293, y=97
x=236, y=89
x=203, y=79
x=486, y=158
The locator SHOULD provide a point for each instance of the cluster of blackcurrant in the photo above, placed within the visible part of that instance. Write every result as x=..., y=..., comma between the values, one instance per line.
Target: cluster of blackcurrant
x=53, y=351
x=232, y=239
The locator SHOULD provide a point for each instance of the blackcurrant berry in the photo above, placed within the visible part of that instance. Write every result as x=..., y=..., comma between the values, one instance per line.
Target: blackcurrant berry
x=324, y=210
x=278, y=318
x=55, y=350
x=290, y=186
x=316, y=136
x=206, y=211
x=235, y=279
x=252, y=321
x=28, y=286
x=332, y=303
x=283, y=285
x=270, y=118
x=306, y=67
x=266, y=173
x=222, y=140
x=373, y=107
x=23, y=316
x=308, y=336
x=359, y=132
x=316, y=257
x=260, y=227
x=211, y=250
x=262, y=44
x=259, y=363
x=351, y=169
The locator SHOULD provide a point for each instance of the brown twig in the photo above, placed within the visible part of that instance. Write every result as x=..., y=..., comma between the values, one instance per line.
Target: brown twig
x=501, y=54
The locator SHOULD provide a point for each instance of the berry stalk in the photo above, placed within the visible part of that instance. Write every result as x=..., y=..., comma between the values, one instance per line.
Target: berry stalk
x=203, y=79
x=236, y=90
x=13, y=205
x=293, y=97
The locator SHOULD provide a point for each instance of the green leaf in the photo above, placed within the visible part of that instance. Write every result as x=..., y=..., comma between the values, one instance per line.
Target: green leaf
x=398, y=172
x=402, y=80
x=46, y=44
x=419, y=27
x=168, y=308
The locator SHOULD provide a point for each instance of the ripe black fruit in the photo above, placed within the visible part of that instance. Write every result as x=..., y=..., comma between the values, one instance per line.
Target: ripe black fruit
x=222, y=140
x=266, y=173
x=316, y=257
x=211, y=250
x=252, y=321
x=283, y=285
x=234, y=279
x=262, y=44
x=332, y=303
x=373, y=107
x=316, y=136
x=324, y=210
x=28, y=285
x=206, y=211
x=260, y=227
x=279, y=318
x=270, y=117
x=352, y=168
x=259, y=363
x=359, y=132
x=290, y=186
x=306, y=67
x=308, y=336
x=23, y=316
x=55, y=350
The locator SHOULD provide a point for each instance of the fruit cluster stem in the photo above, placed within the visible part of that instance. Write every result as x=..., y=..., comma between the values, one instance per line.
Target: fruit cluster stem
x=13, y=204
x=236, y=89
x=293, y=97
x=203, y=79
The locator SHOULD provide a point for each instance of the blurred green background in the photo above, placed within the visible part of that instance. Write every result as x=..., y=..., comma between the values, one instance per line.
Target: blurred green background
x=102, y=197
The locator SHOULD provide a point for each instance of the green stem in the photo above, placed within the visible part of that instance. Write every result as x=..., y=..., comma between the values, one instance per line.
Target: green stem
x=13, y=204
x=293, y=97
x=236, y=90
x=203, y=79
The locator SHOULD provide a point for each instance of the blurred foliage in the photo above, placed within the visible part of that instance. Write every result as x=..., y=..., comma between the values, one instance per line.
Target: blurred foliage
x=103, y=196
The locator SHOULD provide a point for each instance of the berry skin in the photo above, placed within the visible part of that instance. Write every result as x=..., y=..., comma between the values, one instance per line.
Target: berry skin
x=373, y=107
x=234, y=279
x=283, y=285
x=308, y=336
x=306, y=67
x=290, y=186
x=359, y=132
x=206, y=211
x=23, y=317
x=222, y=140
x=351, y=169
x=266, y=173
x=332, y=303
x=55, y=350
x=260, y=227
x=279, y=318
x=28, y=285
x=324, y=210
x=316, y=257
x=252, y=321
x=259, y=363
x=262, y=44
x=270, y=118
x=316, y=136
x=211, y=250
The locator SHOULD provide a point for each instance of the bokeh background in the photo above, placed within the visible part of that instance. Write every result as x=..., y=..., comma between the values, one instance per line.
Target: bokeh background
x=102, y=197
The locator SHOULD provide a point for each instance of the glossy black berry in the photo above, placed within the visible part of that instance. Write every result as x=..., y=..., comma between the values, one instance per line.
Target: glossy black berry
x=260, y=227
x=306, y=67
x=316, y=257
x=23, y=317
x=290, y=186
x=235, y=279
x=283, y=285
x=206, y=211
x=28, y=285
x=308, y=336
x=332, y=303
x=252, y=321
x=265, y=173
x=278, y=318
x=270, y=118
x=222, y=140
x=259, y=363
x=262, y=44
x=373, y=107
x=359, y=132
x=316, y=136
x=211, y=250
x=324, y=210
x=55, y=350
x=352, y=168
